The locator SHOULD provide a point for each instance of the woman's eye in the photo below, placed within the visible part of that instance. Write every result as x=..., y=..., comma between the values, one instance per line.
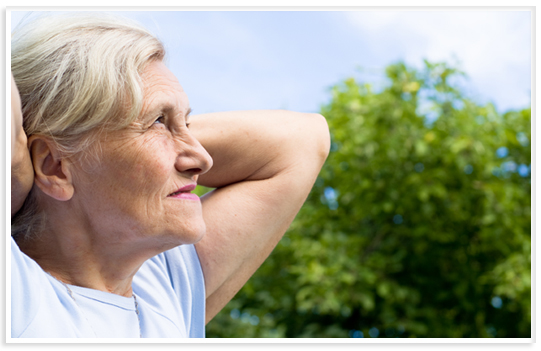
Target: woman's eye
x=160, y=119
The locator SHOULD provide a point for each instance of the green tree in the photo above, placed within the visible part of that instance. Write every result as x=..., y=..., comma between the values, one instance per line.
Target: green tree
x=418, y=225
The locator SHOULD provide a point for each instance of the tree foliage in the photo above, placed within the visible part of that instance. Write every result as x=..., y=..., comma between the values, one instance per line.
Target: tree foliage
x=418, y=226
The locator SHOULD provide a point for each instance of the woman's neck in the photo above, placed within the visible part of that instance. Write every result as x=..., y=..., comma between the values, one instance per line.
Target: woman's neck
x=80, y=264
x=78, y=257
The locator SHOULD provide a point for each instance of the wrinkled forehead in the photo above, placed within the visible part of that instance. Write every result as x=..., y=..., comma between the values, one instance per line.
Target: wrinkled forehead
x=157, y=74
x=162, y=91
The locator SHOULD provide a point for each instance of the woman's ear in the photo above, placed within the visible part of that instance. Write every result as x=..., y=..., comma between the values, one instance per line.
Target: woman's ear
x=52, y=172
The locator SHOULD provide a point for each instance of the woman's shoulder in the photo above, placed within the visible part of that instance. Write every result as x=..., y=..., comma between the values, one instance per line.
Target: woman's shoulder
x=23, y=268
x=24, y=294
x=34, y=299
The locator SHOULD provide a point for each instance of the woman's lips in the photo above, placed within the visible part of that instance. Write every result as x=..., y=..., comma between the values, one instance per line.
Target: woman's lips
x=186, y=196
x=184, y=193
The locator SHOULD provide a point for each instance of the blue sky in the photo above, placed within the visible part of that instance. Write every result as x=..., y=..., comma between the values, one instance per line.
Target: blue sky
x=268, y=60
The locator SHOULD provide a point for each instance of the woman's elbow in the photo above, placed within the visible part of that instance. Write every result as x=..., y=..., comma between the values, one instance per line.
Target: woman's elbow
x=304, y=140
x=319, y=136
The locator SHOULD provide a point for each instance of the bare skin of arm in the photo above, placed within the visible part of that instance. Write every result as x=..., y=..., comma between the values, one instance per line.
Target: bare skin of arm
x=22, y=172
x=265, y=163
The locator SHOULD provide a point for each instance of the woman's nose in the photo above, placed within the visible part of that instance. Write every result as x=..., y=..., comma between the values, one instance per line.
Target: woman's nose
x=193, y=158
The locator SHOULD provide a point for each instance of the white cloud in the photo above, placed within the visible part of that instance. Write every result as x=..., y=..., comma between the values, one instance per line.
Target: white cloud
x=493, y=47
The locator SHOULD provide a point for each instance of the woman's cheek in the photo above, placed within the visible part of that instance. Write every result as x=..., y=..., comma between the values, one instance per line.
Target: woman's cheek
x=152, y=166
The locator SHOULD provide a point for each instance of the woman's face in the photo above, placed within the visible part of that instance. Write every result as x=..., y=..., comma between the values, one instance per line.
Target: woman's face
x=133, y=191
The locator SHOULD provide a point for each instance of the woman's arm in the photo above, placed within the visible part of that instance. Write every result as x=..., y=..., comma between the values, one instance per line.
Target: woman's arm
x=265, y=163
x=22, y=172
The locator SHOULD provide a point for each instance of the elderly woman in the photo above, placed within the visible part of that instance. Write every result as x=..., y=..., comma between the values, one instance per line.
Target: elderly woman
x=111, y=241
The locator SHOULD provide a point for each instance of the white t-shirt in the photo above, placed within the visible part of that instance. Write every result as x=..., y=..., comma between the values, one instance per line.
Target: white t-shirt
x=169, y=290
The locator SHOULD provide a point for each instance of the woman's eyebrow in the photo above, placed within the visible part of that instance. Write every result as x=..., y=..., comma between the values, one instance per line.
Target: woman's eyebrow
x=167, y=109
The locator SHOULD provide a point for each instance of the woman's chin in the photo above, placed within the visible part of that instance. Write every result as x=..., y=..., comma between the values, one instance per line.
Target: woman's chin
x=193, y=234
x=198, y=236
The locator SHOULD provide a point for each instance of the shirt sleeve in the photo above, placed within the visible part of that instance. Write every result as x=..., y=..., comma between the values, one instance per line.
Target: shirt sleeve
x=172, y=283
x=189, y=285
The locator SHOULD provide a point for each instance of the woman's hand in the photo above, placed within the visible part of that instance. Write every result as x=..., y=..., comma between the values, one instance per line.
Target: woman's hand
x=265, y=163
x=22, y=172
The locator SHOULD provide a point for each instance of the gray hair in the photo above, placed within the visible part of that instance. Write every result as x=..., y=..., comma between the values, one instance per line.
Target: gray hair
x=78, y=75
